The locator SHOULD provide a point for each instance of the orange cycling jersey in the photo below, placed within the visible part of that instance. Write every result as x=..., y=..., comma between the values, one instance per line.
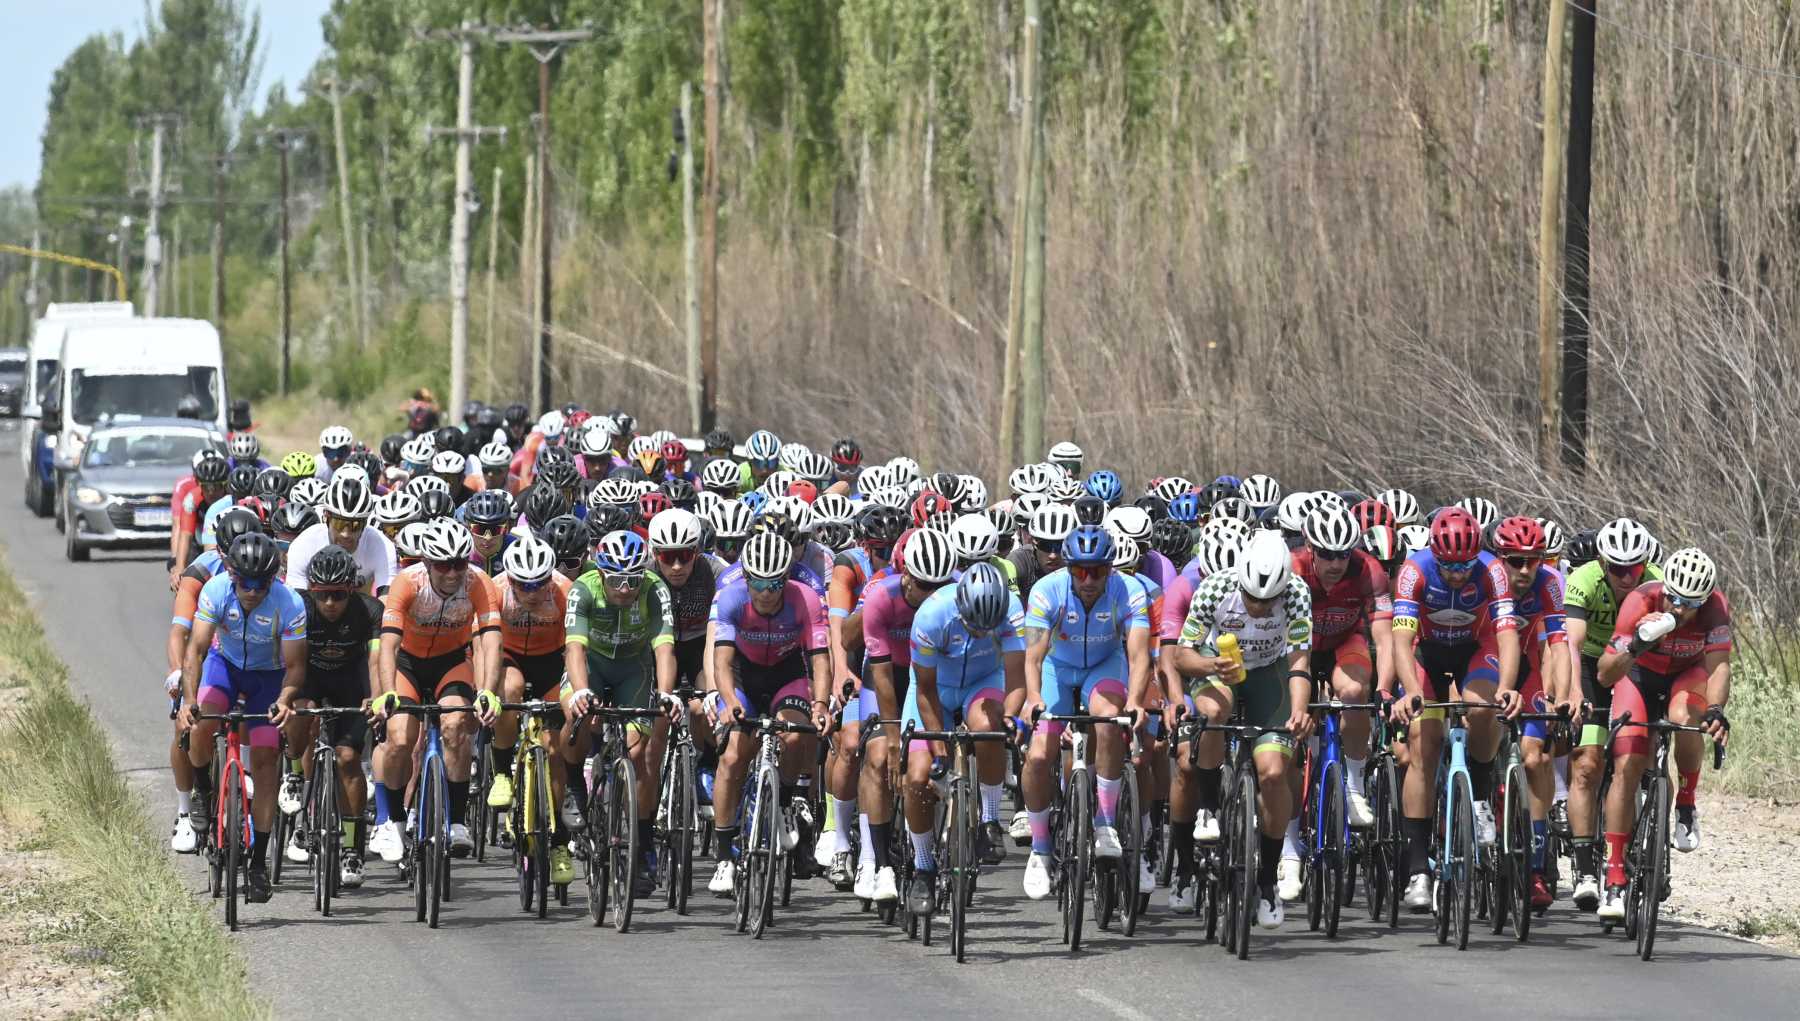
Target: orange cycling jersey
x=532, y=630
x=432, y=625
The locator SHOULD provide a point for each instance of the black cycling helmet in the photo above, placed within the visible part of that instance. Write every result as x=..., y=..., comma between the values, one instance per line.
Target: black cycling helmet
x=188, y=407
x=242, y=481
x=449, y=438
x=471, y=411
x=681, y=493
x=1584, y=547
x=880, y=524
x=436, y=504
x=486, y=421
x=515, y=414
x=233, y=524
x=558, y=473
x=542, y=503
x=720, y=440
x=1090, y=509
x=254, y=556
x=271, y=485
x=1213, y=492
x=777, y=522
x=488, y=507
x=293, y=518
x=212, y=468
x=390, y=448
x=1351, y=497
x=846, y=454
x=370, y=463
x=333, y=567
x=567, y=535
x=626, y=425
x=1153, y=505
x=608, y=518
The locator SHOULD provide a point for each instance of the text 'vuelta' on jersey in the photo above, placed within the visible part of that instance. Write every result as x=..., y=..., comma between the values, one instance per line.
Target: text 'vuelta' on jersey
x=1425, y=603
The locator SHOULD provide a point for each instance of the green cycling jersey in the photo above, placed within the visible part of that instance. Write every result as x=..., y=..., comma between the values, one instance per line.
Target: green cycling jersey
x=1588, y=597
x=611, y=632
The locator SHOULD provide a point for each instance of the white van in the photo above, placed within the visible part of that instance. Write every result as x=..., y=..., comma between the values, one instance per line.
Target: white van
x=132, y=368
x=36, y=446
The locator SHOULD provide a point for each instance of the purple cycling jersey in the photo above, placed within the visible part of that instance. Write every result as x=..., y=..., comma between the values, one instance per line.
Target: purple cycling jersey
x=798, y=626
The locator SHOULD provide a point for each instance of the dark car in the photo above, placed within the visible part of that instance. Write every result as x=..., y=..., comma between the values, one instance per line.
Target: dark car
x=118, y=494
x=12, y=380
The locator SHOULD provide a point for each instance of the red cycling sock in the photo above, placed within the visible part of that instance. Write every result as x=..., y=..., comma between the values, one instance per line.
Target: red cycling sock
x=1615, y=858
x=1684, y=795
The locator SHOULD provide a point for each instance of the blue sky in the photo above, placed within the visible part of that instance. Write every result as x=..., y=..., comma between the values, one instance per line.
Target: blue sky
x=43, y=34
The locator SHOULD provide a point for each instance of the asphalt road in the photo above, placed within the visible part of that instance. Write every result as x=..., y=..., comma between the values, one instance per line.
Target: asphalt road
x=108, y=619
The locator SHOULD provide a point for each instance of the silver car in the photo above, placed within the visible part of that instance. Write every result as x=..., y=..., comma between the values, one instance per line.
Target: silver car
x=119, y=493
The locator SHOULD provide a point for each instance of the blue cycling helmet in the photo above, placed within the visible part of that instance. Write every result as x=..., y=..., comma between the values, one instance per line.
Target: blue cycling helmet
x=754, y=500
x=1185, y=508
x=1088, y=545
x=982, y=598
x=621, y=552
x=1230, y=480
x=1106, y=485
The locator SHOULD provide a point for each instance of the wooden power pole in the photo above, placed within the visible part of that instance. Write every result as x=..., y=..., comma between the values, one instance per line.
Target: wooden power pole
x=1575, y=248
x=690, y=258
x=285, y=138
x=1033, y=380
x=713, y=13
x=1549, y=301
x=1015, y=304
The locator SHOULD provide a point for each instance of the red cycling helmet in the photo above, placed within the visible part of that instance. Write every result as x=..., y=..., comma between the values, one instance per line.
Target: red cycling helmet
x=1372, y=513
x=929, y=507
x=256, y=506
x=803, y=489
x=1520, y=536
x=577, y=419
x=1455, y=536
x=674, y=455
x=653, y=503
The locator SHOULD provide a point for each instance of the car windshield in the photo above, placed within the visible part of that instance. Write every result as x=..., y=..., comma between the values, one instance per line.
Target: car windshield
x=12, y=364
x=142, y=448
x=144, y=395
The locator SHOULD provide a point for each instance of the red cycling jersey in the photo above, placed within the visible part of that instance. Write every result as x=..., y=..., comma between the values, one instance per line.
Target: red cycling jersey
x=1360, y=597
x=1709, y=630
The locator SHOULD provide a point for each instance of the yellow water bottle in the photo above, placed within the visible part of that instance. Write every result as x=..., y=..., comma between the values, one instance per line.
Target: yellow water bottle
x=1228, y=647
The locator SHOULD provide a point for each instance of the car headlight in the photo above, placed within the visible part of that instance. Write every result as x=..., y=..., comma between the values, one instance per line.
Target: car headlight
x=88, y=494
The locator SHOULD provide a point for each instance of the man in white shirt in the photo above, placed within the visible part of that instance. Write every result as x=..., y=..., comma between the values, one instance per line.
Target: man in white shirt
x=344, y=514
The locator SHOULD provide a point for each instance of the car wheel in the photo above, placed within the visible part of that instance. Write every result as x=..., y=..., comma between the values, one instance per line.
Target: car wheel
x=60, y=502
x=73, y=547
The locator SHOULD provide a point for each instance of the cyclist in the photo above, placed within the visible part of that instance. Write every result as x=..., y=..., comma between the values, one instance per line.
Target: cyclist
x=1067, y=456
x=769, y=654
x=489, y=517
x=1039, y=551
x=440, y=644
x=190, y=499
x=1269, y=609
x=346, y=509
x=967, y=654
x=620, y=640
x=342, y=628
x=926, y=561
x=1614, y=561
x=1087, y=643
x=675, y=537
x=1669, y=657
x=335, y=446
x=762, y=456
x=1446, y=598
x=496, y=467
x=249, y=643
x=1537, y=595
x=846, y=465
x=451, y=466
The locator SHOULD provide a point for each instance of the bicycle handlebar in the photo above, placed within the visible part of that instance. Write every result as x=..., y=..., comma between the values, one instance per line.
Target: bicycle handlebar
x=328, y=712
x=1334, y=705
x=957, y=736
x=1038, y=715
x=1664, y=727
x=772, y=725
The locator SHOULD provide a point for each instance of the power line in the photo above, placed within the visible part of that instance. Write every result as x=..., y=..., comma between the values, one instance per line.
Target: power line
x=1671, y=44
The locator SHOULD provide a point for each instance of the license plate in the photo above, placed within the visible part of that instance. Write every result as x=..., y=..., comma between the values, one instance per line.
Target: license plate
x=147, y=517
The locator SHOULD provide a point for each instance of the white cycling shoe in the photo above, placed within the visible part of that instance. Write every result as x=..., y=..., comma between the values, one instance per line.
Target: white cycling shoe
x=295, y=851
x=1269, y=913
x=886, y=889
x=1106, y=842
x=1484, y=823
x=1687, y=835
x=386, y=841
x=1206, y=827
x=864, y=889
x=1417, y=898
x=183, y=840
x=1287, y=887
x=1146, y=876
x=1361, y=815
x=724, y=879
x=288, y=799
x=1183, y=895
x=461, y=844
x=1037, y=876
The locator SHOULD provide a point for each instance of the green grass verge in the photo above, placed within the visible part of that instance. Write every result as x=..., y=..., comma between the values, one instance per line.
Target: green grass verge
x=60, y=786
x=1762, y=760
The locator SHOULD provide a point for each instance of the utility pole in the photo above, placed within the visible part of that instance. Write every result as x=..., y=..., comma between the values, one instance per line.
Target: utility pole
x=1575, y=270
x=1032, y=376
x=285, y=138
x=713, y=16
x=690, y=256
x=465, y=132
x=528, y=260
x=1548, y=236
x=31, y=270
x=334, y=90
x=493, y=258
x=1015, y=304
x=152, y=239
x=218, y=243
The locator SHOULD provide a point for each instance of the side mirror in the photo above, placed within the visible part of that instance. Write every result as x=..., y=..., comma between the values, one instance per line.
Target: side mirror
x=51, y=421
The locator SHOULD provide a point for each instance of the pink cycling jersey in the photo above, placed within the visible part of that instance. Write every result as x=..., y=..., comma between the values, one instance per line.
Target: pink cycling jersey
x=887, y=620
x=798, y=626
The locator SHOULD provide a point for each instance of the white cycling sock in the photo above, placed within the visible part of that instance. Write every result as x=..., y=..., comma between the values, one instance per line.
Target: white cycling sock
x=1562, y=778
x=990, y=801
x=867, y=855
x=922, y=856
x=1353, y=773
x=1290, y=841
x=184, y=802
x=845, y=811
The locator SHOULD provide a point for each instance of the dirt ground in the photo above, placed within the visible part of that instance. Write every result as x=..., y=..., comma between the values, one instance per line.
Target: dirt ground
x=44, y=973
x=1745, y=878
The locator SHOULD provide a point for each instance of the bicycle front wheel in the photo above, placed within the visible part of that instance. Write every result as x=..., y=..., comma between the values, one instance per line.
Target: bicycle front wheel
x=768, y=850
x=1245, y=867
x=542, y=829
x=1334, y=861
x=1519, y=847
x=329, y=831
x=1654, y=875
x=1387, y=848
x=1079, y=865
x=234, y=840
x=1462, y=863
x=435, y=821
x=961, y=852
x=621, y=838
x=1131, y=844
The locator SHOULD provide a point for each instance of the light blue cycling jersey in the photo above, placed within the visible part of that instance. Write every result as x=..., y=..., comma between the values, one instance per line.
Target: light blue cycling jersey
x=1083, y=636
x=251, y=639
x=211, y=518
x=942, y=641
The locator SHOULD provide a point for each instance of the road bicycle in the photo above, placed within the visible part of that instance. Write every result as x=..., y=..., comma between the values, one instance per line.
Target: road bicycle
x=1383, y=847
x=679, y=827
x=610, y=843
x=229, y=838
x=1073, y=863
x=320, y=820
x=1459, y=861
x=426, y=863
x=1332, y=846
x=534, y=817
x=1507, y=895
x=764, y=855
x=959, y=819
x=1234, y=876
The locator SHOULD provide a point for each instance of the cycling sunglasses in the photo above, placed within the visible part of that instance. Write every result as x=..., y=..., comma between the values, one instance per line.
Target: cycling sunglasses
x=1330, y=554
x=451, y=566
x=345, y=524
x=486, y=531
x=331, y=595
x=253, y=584
x=675, y=557
x=1632, y=571
x=1519, y=563
x=765, y=464
x=530, y=586
x=283, y=544
x=1457, y=566
x=728, y=546
x=1089, y=572
x=766, y=584
x=622, y=582
x=335, y=453
x=1683, y=602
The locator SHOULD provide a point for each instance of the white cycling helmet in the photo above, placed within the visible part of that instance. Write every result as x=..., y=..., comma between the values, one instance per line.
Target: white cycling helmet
x=1219, y=552
x=396, y=507
x=930, y=556
x=1233, y=508
x=1265, y=566
x=530, y=560
x=675, y=529
x=875, y=476
x=1481, y=509
x=974, y=537
x=721, y=475
x=905, y=469
x=1051, y=524
x=1404, y=505
x=423, y=484
x=351, y=471
x=1131, y=522
x=550, y=423
x=419, y=449
x=1415, y=538
x=891, y=496
x=833, y=507
x=1126, y=552
x=445, y=539
x=245, y=446
x=1623, y=542
x=1291, y=513
x=448, y=462
x=1555, y=539
x=1331, y=528
x=348, y=497
x=1689, y=573
x=495, y=455
x=1065, y=454
x=1066, y=490
x=762, y=445
x=662, y=436
x=732, y=520
x=704, y=503
x=411, y=537
x=1170, y=488
x=767, y=555
x=596, y=439
x=1259, y=491
x=616, y=490
x=793, y=456
x=778, y=482
x=335, y=436
x=308, y=491
x=974, y=495
x=1024, y=506
x=1027, y=479
x=638, y=447
x=1237, y=531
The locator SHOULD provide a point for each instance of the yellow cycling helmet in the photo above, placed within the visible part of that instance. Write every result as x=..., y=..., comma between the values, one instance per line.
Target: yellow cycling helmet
x=300, y=465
